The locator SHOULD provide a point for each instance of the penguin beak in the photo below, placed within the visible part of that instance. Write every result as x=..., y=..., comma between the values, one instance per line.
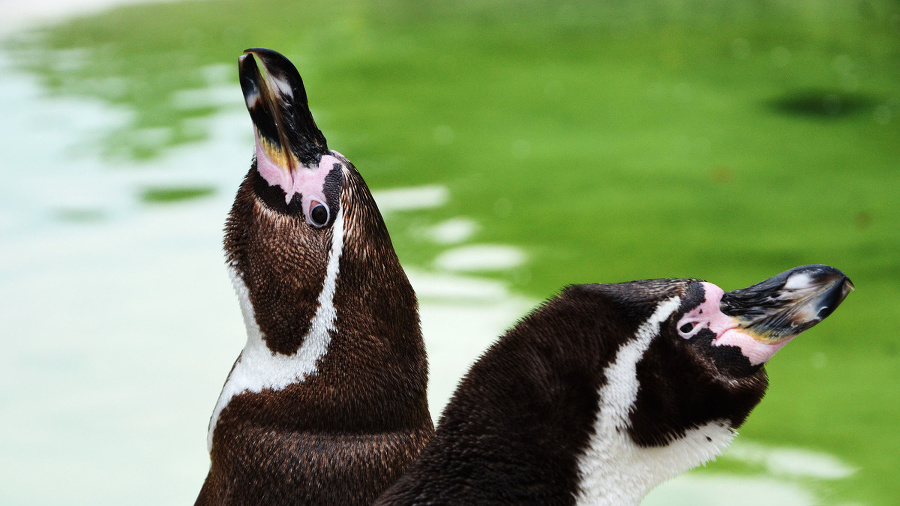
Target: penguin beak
x=276, y=99
x=778, y=309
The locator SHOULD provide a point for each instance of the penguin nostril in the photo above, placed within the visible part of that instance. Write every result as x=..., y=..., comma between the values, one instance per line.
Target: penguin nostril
x=319, y=215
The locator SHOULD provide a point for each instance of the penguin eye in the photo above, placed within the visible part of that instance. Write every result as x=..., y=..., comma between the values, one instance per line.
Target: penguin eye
x=318, y=216
x=689, y=326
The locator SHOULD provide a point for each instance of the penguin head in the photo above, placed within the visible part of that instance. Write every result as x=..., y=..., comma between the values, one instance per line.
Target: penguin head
x=302, y=176
x=706, y=362
x=607, y=390
x=303, y=215
x=334, y=368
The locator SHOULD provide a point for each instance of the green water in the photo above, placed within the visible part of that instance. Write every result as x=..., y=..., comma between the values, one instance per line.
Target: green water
x=722, y=140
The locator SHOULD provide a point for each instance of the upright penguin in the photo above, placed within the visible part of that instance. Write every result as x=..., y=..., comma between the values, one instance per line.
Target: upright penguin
x=326, y=404
x=607, y=390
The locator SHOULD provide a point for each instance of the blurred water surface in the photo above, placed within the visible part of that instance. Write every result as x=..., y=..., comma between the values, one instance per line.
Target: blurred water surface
x=513, y=150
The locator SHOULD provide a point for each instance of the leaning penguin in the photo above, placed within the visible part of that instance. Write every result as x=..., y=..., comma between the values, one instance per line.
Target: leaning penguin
x=608, y=390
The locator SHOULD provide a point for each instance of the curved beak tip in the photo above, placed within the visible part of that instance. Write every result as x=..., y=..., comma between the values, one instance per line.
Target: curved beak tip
x=256, y=51
x=785, y=305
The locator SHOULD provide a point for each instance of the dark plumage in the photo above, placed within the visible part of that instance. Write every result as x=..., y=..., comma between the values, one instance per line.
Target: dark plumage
x=591, y=400
x=327, y=403
x=594, y=398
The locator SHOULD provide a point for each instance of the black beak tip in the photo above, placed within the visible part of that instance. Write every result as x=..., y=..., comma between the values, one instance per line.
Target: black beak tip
x=276, y=100
x=247, y=66
x=789, y=303
x=818, y=274
x=278, y=66
x=833, y=297
x=262, y=51
x=836, y=286
x=275, y=62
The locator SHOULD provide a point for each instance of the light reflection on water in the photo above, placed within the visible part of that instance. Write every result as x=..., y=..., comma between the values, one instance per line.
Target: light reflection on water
x=120, y=323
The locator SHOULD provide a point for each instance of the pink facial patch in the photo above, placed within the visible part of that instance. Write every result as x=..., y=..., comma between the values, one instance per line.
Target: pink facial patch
x=309, y=182
x=726, y=329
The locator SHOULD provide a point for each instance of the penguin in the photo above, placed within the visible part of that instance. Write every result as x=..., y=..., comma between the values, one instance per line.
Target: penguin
x=326, y=403
x=607, y=390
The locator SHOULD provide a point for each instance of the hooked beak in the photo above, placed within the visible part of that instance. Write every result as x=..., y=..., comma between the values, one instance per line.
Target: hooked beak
x=778, y=309
x=276, y=99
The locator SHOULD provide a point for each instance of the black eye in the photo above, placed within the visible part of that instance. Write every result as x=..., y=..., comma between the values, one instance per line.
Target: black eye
x=319, y=215
x=687, y=328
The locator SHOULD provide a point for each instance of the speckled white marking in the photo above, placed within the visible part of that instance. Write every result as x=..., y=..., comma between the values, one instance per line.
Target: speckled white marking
x=258, y=367
x=799, y=281
x=283, y=87
x=802, y=285
x=251, y=99
x=613, y=469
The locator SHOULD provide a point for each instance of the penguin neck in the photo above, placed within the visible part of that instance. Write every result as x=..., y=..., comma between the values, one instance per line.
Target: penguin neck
x=258, y=367
x=613, y=469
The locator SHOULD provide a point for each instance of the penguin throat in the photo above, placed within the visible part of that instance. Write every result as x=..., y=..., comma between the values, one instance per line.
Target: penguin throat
x=293, y=177
x=258, y=368
x=613, y=469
